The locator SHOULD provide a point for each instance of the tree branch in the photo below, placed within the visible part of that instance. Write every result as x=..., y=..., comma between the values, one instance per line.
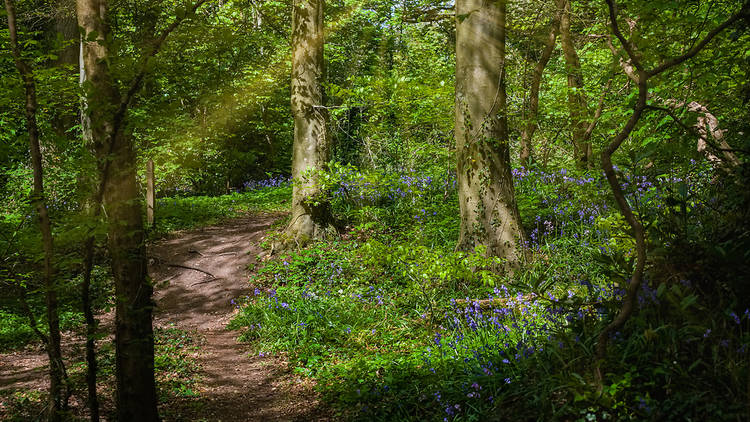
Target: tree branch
x=744, y=12
x=135, y=85
x=597, y=113
x=624, y=41
x=693, y=131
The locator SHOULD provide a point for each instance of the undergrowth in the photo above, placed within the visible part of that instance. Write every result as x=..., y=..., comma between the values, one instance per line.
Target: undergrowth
x=393, y=324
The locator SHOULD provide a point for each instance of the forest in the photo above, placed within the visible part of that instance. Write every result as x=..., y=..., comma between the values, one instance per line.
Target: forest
x=375, y=210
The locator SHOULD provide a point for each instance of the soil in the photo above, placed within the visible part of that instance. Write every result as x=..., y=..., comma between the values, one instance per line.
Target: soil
x=199, y=274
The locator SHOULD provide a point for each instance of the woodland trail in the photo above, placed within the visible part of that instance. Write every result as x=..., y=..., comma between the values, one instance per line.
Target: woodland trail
x=199, y=273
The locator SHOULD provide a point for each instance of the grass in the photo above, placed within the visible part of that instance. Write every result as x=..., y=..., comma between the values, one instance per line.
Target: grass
x=173, y=214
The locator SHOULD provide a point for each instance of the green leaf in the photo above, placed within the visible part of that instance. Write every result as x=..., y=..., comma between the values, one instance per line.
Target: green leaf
x=688, y=302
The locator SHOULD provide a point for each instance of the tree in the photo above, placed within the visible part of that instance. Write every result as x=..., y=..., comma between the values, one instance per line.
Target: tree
x=118, y=192
x=134, y=338
x=311, y=215
x=489, y=215
x=531, y=109
x=634, y=65
x=58, y=378
x=577, y=105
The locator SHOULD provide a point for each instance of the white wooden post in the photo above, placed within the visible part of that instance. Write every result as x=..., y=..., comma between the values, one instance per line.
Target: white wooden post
x=150, y=197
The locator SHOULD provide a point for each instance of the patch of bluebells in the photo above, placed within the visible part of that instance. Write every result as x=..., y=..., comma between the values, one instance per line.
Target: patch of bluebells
x=563, y=204
x=311, y=308
x=491, y=343
x=362, y=188
x=568, y=205
x=273, y=181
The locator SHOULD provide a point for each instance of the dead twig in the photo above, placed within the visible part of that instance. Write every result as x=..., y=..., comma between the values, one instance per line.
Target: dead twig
x=187, y=267
x=206, y=281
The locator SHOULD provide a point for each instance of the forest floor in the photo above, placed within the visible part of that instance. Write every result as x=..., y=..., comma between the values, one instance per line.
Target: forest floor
x=199, y=273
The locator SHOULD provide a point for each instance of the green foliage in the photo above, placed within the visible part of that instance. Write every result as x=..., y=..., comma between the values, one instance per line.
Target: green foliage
x=381, y=319
x=180, y=213
x=175, y=362
x=14, y=330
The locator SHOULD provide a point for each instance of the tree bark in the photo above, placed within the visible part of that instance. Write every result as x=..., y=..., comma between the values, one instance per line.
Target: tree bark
x=532, y=111
x=489, y=215
x=578, y=109
x=134, y=340
x=58, y=378
x=66, y=26
x=311, y=215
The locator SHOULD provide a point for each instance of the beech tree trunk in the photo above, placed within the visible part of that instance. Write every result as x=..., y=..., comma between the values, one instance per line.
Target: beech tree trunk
x=489, y=215
x=311, y=216
x=579, y=112
x=58, y=399
x=134, y=340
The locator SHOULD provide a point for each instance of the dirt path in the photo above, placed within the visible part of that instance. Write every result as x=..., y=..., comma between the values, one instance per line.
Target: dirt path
x=236, y=387
x=198, y=274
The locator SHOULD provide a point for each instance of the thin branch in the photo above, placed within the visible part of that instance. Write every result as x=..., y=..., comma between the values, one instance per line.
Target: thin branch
x=135, y=85
x=693, y=131
x=626, y=65
x=280, y=32
x=744, y=12
x=598, y=112
x=624, y=41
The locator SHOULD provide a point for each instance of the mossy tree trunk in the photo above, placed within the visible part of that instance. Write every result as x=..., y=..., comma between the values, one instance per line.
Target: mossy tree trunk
x=489, y=215
x=311, y=215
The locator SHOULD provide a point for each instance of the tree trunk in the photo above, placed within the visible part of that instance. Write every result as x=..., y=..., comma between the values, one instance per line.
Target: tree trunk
x=579, y=112
x=134, y=339
x=532, y=111
x=66, y=26
x=489, y=215
x=58, y=399
x=311, y=215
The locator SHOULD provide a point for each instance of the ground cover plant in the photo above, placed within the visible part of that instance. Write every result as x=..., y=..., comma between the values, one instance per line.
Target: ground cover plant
x=394, y=330
x=189, y=211
x=175, y=362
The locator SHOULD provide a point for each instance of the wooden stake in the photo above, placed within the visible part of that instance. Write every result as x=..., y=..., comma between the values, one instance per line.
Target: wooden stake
x=150, y=196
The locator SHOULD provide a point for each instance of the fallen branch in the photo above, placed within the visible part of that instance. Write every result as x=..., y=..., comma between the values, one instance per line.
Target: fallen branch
x=206, y=281
x=196, y=251
x=187, y=267
x=160, y=261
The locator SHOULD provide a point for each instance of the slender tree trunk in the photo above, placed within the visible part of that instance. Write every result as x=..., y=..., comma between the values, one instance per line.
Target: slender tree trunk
x=489, y=215
x=58, y=399
x=91, y=206
x=134, y=338
x=91, y=330
x=532, y=112
x=66, y=26
x=311, y=215
x=579, y=113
